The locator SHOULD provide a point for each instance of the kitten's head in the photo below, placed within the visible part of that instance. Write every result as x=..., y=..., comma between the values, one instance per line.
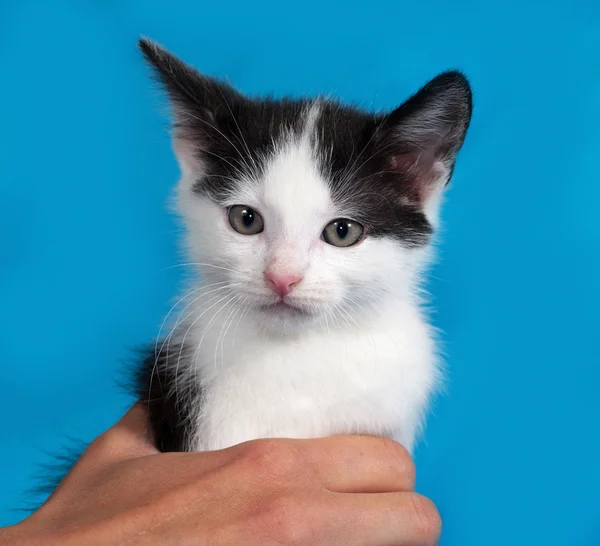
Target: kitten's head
x=308, y=211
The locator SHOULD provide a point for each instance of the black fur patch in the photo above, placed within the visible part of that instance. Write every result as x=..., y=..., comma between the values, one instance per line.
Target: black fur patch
x=168, y=401
x=358, y=171
x=381, y=164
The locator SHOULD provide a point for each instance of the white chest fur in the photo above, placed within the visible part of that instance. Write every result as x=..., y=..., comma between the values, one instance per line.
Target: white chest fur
x=374, y=378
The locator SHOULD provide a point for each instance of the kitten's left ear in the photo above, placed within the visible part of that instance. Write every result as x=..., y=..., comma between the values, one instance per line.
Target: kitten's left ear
x=423, y=136
x=201, y=105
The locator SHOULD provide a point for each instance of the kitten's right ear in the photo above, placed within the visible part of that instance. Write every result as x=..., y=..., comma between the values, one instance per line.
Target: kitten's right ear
x=198, y=103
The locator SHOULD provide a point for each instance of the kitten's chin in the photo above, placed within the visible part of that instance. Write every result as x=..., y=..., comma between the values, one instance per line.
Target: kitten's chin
x=283, y=318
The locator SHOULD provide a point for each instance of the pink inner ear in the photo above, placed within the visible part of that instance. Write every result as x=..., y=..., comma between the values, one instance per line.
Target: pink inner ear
x=417, y=162
x=404, y=163
x=419, y=167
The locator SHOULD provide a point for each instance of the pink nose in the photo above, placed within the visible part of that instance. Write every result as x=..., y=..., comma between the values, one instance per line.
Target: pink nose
x=282, y=284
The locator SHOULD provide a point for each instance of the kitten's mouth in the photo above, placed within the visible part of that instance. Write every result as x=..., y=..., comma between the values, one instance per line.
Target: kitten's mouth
x=282, y=308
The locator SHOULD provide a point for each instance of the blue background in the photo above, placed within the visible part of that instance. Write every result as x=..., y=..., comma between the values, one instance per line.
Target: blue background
x=512, y=451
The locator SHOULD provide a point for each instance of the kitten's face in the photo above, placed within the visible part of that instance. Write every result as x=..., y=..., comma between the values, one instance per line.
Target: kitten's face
x=308, y=212
x=291, y=253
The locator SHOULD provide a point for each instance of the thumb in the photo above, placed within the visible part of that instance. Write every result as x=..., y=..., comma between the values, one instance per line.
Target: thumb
x=130, y=435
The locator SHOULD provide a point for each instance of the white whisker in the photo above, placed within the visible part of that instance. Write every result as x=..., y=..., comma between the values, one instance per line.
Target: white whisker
x=224, y=328
x=157, y=353
x=207, y=328
x=185, y=335
x=180, y=320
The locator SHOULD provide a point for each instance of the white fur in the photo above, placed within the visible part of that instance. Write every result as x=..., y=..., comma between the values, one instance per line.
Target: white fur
x=363, y=361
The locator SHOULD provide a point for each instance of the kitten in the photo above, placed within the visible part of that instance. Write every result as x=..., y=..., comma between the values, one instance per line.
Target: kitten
x=309, y=225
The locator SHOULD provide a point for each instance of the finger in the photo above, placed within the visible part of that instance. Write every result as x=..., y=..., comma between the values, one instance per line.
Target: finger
x=363, y=464
x=344, y=464
x=401, y=519
x=134, y=421
x=129, y=437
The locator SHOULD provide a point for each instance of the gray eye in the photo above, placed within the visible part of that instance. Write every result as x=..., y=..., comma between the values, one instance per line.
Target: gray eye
x=342, y=232
x=245, y=220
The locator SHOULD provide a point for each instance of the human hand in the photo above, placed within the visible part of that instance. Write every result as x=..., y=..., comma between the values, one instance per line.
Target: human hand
x=346, y=490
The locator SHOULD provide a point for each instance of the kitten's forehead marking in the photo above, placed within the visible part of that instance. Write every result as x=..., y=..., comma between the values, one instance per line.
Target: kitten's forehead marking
x=310, y=120
x=293, y=187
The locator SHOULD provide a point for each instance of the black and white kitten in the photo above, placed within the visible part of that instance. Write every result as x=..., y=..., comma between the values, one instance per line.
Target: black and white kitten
x=309, y=225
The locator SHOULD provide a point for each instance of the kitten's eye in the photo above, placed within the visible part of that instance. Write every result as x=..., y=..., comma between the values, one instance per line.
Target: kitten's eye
x=245, y=220
x=342, y=232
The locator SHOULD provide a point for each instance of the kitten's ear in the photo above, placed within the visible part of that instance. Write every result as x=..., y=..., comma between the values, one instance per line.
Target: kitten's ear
x=423, y=136
x=198, y=102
